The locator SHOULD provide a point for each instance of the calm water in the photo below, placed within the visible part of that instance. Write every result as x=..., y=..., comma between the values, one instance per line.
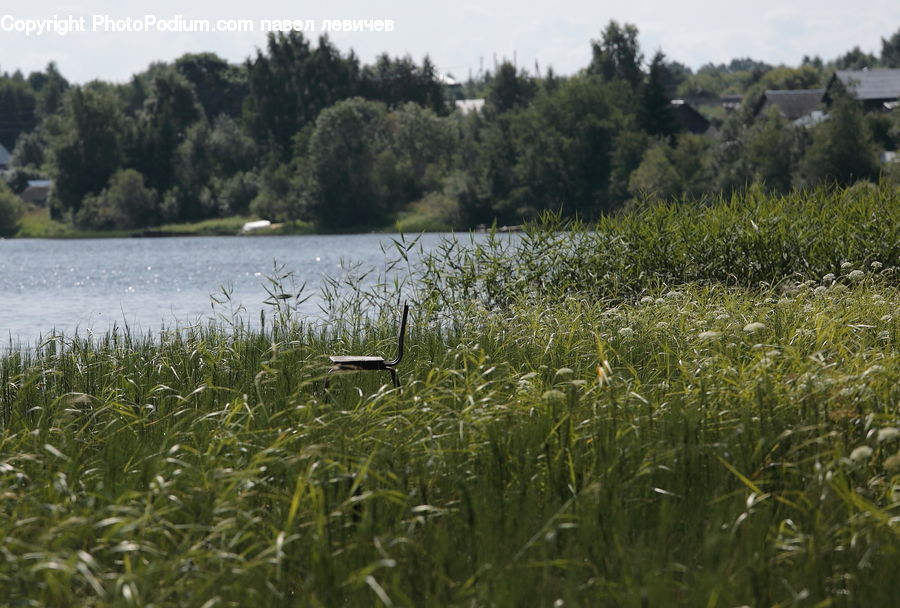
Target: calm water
x=87, y=285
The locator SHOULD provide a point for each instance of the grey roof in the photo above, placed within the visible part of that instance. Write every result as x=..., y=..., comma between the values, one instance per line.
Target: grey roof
x=792, y=104
x=5, y=156
x=871, y=85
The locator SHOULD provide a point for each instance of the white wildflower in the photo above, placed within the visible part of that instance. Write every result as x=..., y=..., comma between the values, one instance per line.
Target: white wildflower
x=876, y=265
x=754, y=327
x=846, y=265
x=888, y=433
x=856, y=275
x=710, y=335
x=646, y=300
x=891, y=463
x=554, y=395
x=626, y=332
x=861, y=453
x=828, y=278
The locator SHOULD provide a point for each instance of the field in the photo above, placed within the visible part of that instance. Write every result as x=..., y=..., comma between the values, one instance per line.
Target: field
x=686, y=405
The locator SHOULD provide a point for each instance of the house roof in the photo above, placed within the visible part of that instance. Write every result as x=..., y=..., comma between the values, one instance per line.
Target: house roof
x=791, y=104
x=690, y=119
x=35, y=194
x=871, y=85
x=5, y=156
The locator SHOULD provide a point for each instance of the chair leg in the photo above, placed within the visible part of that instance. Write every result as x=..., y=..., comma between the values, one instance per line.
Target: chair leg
x=394, y=377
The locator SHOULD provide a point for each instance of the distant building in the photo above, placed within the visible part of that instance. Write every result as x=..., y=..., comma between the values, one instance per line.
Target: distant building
x=37, y=192
x=5, y=158
x=731, y=102
x=875, y=89
x=467, y=106
x=690, y=119
x=795, y=105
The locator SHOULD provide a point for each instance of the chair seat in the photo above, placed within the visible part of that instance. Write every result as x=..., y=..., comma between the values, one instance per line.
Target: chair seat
x=352, y=363
x=357, y=362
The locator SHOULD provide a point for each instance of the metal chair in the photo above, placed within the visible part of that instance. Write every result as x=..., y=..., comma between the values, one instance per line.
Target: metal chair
x=356, y=363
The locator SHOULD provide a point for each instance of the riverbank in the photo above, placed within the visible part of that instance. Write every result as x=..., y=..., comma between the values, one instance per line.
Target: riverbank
x=36, y=223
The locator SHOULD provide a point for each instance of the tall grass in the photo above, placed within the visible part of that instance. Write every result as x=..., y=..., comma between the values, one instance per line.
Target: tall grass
x=750, y=240
x=696, y=443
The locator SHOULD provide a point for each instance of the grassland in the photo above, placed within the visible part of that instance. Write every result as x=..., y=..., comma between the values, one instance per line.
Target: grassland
x=693, y=406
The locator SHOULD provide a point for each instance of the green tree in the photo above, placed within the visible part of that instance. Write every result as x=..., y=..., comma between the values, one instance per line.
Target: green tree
x=125, y=203
x=290, y=84
x=855, y=59
x=563, y=146
x=50, y=95
x=628, y=151
x=655, y=111
x=890, y=51
x=11, y=211
x=162, y=125
x=398, y=81
x=220, y=86
x=691, y=157
x=842, y=149
x=656, y=176
x=206, y=161
x=30, y=150
x=769, y=147
x=18, y=104
x=675, y=171
x=424, y=145
x=344, y=148
x=617, y=54
x=509, y=89
x=87, y=147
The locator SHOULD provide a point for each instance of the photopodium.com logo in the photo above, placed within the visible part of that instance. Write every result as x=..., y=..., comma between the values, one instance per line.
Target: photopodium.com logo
x=106, y=24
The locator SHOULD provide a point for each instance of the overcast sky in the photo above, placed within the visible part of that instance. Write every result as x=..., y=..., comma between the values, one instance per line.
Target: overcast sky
x=457, y=35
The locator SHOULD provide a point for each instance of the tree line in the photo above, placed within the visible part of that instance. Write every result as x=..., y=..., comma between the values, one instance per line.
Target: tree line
x=304, y=132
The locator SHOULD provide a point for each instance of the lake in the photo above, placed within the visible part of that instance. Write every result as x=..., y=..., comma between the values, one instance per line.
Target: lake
x=88, y=284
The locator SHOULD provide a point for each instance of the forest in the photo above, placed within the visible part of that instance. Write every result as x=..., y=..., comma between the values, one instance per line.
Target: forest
x=303, y=132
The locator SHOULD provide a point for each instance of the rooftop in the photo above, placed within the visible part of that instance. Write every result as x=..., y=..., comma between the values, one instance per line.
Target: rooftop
x=871, y=85
x=792, y=104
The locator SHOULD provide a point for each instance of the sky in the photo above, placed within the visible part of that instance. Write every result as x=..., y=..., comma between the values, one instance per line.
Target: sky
x=459, y=36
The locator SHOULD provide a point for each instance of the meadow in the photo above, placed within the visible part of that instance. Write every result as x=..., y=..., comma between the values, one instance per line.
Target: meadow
x=688, y=404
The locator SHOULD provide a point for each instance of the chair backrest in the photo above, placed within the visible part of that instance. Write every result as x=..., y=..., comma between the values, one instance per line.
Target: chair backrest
x=402, y=335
